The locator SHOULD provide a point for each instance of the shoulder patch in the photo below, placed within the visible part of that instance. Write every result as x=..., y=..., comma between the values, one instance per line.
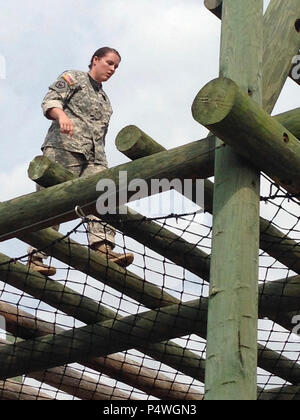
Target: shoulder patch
x=69, y=79
x=60, y=85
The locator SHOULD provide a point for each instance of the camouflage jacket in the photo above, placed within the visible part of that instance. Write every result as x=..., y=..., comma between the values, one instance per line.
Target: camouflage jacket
x=90, y=112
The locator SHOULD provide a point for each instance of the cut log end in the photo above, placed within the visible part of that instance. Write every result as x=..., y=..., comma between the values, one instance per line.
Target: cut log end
x=214, y=101
x=128, y=137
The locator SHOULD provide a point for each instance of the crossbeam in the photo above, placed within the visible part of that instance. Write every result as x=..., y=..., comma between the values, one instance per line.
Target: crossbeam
x=30, y=212
x=118, y=367
x=262, y=140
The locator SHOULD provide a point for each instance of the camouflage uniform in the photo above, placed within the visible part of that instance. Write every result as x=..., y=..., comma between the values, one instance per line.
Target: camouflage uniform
x=89, y=109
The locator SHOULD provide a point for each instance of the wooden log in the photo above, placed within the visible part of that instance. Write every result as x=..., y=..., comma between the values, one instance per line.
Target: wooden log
x=291, y=121
x=29, y=212
x=285, y=393
x=231, y=362
x=45, y=172
x=278, y=296
x=279, y=246
x=272, y=240
x=281, y=44
x=83, y=308
x=135, y=143
x=76, y=383
x=263, y=141
x=52, y=292
x=27, y=326
x=13, y=391
x=98, y=267
x=116, y=366
x=105, y=338
x=214, y=6
x=86, y=342
x=274, y=296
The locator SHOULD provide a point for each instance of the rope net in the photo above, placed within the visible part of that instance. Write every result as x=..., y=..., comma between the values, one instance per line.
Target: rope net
x=98, y=331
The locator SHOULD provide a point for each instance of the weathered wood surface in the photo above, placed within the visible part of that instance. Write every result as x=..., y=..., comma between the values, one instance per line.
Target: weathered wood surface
x=102, y=339
x=281, y=44
x=57, y=204
x=259, y=138
x=215, y=6
x=231, y=361
x=116, y=366
x=110, y=337
x=286, y=393
x=87, y=310
x=136, y=144
x=74, y=383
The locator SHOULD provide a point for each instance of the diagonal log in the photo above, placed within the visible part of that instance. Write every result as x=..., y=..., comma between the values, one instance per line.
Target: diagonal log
x=272, y=240
x=263, y=141
x=13, y=390
x=117, y=335
x=88, y=311
x=102, y=339
x=281, y=44
x=29, y=212
x=75, y=383
x=118, y=367
x=279, y=246
x=167, y=352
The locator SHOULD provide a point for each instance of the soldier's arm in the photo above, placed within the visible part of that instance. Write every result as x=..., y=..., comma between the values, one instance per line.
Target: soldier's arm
x=53, y=104
x=65, y=124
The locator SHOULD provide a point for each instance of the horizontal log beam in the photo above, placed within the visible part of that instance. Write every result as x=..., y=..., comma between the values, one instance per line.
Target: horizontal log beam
x=29, y=212
x=172, y=247
x=118, y=335
x=284, y=393
x=272, y=240
x=76, y=383
x=118, y=367
x=88, y=311
x=221, y=106
x=102, y=339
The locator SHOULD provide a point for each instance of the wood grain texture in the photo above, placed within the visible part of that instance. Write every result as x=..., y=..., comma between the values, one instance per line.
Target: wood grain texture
x=231, y=363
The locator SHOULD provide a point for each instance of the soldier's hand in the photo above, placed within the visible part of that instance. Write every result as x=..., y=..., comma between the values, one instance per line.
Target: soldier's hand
x=66, y=125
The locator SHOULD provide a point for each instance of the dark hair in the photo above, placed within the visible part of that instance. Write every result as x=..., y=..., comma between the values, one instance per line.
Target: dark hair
x=101, y=52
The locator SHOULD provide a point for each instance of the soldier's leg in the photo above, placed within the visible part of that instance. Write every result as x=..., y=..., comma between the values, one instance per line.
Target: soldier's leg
x=102, y=235
x=73, y=163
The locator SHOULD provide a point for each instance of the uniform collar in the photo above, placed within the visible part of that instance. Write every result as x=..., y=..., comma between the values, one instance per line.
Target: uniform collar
x=97, y=86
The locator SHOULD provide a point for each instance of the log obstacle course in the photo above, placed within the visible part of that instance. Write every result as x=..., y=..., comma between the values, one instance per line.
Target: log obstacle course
x=189, y=319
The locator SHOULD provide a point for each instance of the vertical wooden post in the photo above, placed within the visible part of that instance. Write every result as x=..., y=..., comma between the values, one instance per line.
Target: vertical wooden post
x=231, y=364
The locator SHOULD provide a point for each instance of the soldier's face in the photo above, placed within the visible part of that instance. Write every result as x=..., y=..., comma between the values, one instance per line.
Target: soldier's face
x=105, y=67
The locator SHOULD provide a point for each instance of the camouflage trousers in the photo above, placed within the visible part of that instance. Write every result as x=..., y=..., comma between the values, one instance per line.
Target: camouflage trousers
x=80, y=166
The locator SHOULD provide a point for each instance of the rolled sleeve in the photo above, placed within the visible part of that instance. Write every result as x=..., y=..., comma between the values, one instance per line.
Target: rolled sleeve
x=54, y=103
x=56, y=96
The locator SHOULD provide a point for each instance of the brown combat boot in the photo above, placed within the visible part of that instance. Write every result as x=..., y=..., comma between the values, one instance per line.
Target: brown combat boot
x=36, y=264
x=123, y=260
